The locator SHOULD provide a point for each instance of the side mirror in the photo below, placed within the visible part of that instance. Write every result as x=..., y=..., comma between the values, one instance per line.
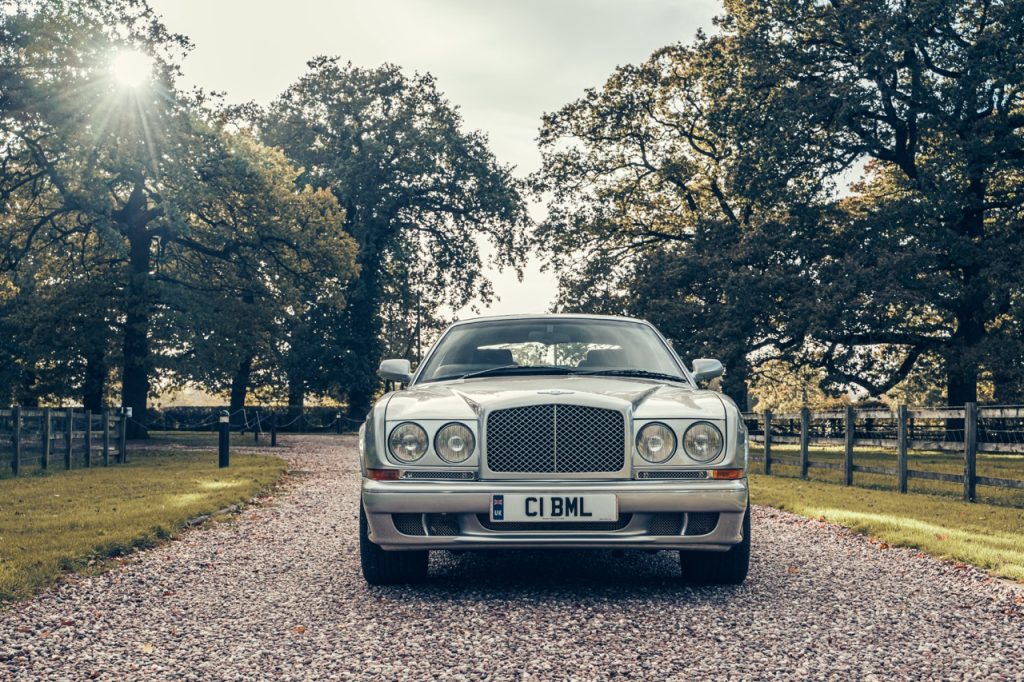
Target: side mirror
x=395, y=370
x=706, y=368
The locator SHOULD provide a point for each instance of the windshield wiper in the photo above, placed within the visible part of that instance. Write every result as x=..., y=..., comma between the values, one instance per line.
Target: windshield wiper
x=515, y=369
x=640, y=373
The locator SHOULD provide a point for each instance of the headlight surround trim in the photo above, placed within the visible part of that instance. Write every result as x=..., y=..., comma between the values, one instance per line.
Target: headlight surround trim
x=443, y=442
x=710, y=434
x=405, y=435
x=667, y=437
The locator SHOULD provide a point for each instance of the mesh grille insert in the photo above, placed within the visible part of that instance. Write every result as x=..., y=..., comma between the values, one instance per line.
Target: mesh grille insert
x=566, y=527
x=672, y=474
x=666, y=524
x=442, y=524
x=555, y=439
x=440, y=475
x=408, y=524
x=700, y=523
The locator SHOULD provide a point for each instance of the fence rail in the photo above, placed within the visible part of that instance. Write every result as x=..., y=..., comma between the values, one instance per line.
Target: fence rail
x=967, y=430
x=64, y=438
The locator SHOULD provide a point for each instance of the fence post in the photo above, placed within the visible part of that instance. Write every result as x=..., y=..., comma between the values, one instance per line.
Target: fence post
x=901, y=445
x=256, y=428
x=273, y=429
x=16, y=440
x=69, y=436
x=849, y=435
x=122, y=437
x=224, y=424
x=805, y=440
x=88, y=439
x=106, y=437
x=767, y=442
x=44, y=459
x=337, y=421
x=970, y=450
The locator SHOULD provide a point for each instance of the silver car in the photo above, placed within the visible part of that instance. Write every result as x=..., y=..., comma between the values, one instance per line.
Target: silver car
x=553, y=431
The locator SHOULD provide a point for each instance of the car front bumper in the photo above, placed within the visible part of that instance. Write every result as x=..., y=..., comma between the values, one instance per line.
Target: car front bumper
x=464, y=507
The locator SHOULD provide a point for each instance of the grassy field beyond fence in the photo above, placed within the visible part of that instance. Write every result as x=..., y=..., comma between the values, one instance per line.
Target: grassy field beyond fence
x=51, y=523
x=995, y=465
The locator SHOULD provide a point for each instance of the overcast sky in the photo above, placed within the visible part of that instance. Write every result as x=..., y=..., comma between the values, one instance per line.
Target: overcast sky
x=503, y=62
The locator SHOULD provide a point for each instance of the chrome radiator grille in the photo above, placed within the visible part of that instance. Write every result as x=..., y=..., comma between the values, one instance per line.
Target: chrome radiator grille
x=555, y=439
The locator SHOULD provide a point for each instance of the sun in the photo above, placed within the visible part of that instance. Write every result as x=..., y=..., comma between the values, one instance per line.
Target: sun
x=131, y=68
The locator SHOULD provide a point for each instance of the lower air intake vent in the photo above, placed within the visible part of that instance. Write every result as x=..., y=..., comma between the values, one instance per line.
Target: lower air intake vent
x=442, y=524
x=666, y=524
x=555, y=526
x=409, y=524
x=700, y=523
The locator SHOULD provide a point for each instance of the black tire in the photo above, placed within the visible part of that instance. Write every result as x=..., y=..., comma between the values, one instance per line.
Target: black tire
x=719, y=568
x=388, y=568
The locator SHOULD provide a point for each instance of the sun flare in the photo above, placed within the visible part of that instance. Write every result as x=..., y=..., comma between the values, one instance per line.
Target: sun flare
x=131, y=68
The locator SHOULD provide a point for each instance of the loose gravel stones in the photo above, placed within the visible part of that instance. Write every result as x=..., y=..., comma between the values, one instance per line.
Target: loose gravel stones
x=276, y=593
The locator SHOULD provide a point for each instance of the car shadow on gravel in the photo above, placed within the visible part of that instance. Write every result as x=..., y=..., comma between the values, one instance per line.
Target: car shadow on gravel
x=558, y=574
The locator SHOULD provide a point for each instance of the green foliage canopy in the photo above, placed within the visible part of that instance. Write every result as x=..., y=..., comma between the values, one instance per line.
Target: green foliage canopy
x=419, y=193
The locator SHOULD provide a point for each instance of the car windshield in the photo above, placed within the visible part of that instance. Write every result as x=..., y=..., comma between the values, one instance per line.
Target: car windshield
x=550, y=346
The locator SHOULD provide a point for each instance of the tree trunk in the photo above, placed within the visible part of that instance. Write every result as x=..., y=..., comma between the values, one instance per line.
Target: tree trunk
x=296, y=399
x=296, y=393
x=239, y=389
x=28, y=395
x=95, y=385
x=961, y=382
x=734, y=381
x=364, y=337
x=138, y=304
x=962, y=349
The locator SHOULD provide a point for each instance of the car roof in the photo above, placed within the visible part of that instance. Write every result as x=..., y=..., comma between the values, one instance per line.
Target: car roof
x=549, y=316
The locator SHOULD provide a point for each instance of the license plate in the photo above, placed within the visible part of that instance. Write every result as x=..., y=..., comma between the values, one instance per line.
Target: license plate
x=526, y=508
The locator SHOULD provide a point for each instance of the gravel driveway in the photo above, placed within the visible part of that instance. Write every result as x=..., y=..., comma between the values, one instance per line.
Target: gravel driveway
x=277, y=593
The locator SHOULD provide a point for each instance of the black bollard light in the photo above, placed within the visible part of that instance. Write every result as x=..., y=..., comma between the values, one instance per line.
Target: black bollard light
x=225, y=434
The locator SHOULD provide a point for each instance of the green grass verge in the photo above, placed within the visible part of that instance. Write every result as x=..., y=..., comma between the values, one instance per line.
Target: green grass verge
x=985, y=535
x=52, y=523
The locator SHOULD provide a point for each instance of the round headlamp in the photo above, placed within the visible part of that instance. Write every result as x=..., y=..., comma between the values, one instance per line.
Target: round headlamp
x=408, y=442
x=454, y=443
x=703, y=441
x=656, y=442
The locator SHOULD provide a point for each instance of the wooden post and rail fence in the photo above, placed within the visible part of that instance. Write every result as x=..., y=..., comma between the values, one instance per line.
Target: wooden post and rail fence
x=61, y=437
x=42, y=439
x=962, y=432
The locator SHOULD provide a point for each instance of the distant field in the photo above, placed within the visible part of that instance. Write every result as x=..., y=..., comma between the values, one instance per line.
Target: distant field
x=993, y=465
x=985, y=535
x=52, y=523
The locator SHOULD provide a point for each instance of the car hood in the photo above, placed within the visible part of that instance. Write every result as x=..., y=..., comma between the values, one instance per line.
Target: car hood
x=464, y=399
